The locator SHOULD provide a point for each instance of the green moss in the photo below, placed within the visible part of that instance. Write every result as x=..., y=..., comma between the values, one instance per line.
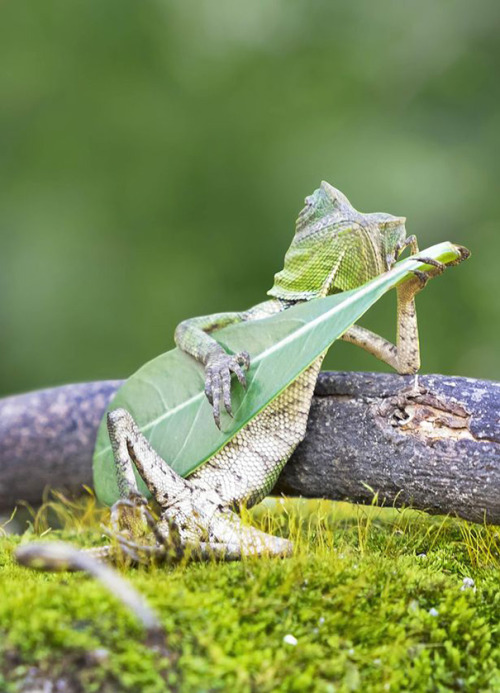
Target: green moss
x=375, y=599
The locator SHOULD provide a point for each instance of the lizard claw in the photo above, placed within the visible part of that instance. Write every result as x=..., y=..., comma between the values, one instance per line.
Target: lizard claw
x=424, y=276
x=440, y=266
x=218, y=379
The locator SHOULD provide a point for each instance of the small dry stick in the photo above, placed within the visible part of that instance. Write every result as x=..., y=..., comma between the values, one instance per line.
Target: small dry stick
x=58, y=556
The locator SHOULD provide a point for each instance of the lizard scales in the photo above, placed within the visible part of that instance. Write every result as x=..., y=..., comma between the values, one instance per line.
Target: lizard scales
x=335, y=248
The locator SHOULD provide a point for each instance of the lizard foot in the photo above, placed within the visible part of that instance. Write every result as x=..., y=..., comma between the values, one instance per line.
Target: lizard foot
x=218, y=379
x=129, y=515
x=194, y=520
x=131, y=525
x=424, y=276
x=229, y=542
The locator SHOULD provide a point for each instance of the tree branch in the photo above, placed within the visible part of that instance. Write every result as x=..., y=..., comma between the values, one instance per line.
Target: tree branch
x=438, y=450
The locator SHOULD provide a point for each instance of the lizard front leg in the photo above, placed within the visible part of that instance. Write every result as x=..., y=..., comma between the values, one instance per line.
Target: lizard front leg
x=404, y=356
x=193, y=337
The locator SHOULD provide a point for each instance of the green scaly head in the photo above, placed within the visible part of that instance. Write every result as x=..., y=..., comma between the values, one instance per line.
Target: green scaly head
x=336, y=248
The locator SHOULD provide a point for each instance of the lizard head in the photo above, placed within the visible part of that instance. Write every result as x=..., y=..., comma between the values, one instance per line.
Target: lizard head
x=335, y=247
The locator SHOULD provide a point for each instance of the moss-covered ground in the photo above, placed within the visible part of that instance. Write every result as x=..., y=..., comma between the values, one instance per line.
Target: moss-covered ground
x=373, y=600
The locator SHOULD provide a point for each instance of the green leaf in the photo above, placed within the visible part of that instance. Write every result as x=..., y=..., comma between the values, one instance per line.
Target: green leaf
x=166, y=396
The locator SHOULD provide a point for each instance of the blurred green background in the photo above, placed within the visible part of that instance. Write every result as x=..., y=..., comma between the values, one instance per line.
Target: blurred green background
x=154, y=155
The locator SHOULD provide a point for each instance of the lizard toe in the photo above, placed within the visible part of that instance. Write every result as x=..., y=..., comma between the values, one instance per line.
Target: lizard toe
x=439, y=266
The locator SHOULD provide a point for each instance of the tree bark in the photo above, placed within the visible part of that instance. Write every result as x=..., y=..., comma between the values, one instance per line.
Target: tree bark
x=438, y=451
x=436, y=448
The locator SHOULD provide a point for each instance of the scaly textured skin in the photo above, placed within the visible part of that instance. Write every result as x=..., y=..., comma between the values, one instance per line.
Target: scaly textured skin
x=335, y=248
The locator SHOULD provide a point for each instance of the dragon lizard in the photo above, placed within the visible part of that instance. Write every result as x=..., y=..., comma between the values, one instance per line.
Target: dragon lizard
x=335, y=248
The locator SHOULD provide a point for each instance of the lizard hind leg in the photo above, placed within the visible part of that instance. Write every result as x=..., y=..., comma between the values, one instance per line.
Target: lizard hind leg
x=198, y=514
x=187, y=509
x=130, y=518
x=130, y=446
x=128, y=512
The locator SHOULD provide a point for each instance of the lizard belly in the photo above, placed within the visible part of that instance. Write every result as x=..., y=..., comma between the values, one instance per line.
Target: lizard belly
x=246, y=469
